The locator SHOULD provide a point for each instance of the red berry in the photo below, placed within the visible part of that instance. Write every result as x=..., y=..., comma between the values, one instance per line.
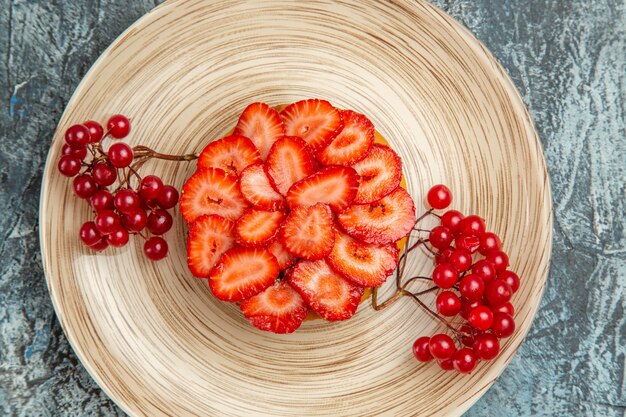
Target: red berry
x=439, y=197
x=446, y=365
x=444, y=256
x=420, y=349
x=79, y=153
x=84, y=186
x=155, y=248
x=168, y=197
x=472, y=287
x=460, y=259
x=88, y=234
x=485, y=270
x=440, y=237
x=489, y=242
x=107, y=221
x=101, y=200
x=510, y=278
x=499, y=259
x=448, y=304
x=467, y=306
x=469, y=243
x=118, y=237
x=77, y=136
x=472, y=225
x=104, y=174
x=69, y=165
x=159, y=222
x=506, y=308
x=441, y=346
x=464, y=361
x=134, y=220
x=96, y=132
x=445, y=276
x=498, y=292
x=120, y=155
x=451, y=219
x=480, y=318
x=118, y=126
x=468, y=335
x=100, y=245
x=150, y=188
x=503, y=325
x=486, y=346
x=126, y=200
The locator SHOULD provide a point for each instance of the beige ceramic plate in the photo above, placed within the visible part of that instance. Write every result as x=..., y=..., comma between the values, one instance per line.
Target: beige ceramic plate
x=155, y=339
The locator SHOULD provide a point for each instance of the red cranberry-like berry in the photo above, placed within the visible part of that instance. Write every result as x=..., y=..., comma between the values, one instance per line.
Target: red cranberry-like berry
x=168, y=197
x=155, y=248
x=126, y=200
x=69, y=165
x=120, y=155
x=96, y=132
x=444, y=256
x=467, y=306
x=464, y=361
x=439, y=197
x=118, y=237
x=79, y=153
x=118, y=126
x=486, y=346
x=448, y=304
x=77, y=136
x=135, y=220
x=498, y=292
x=480, y=318
x=499, y=259
x=420, y=349
x=440, y=237
x=506, y=308
x=510, y=278
x=104, y=174
x=100, y=245
x=485, y=270
x=441, y=346
x=150, y=188
x=451, y=219
x=461, y=260
x=101, y=200
x=488, y=243
x=446, y=365
x=107, y=221
x=472, y=225
x=469, y=243
x=503, y=325
x=468, y=335
x=84, y=186
x=472, y=287
x=445, y=276
x=159, y=222
x=88, y=234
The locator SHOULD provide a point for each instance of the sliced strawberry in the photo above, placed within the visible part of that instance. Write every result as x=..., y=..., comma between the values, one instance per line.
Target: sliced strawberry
x=242, y=273
x=289, y=161
x=209, y=237
x=381, y=222
x=284, y=258
x=231, y=153
x=257, y=190
x=257, y=227
x=380, y=171
x=328, y=293
x=335, y=186
x=361, y=263
x=308, y=232
x=352, y=143
x=316, y=121
x=278, y=309
x=262, y=124
x=211, y=191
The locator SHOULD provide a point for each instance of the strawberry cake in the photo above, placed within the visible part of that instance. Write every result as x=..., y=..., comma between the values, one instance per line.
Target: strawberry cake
x=297, y=211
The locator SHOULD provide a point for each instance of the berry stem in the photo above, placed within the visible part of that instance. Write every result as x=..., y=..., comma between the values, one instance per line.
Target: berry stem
x=429, y=311
x=387, y=303
x=144, y=151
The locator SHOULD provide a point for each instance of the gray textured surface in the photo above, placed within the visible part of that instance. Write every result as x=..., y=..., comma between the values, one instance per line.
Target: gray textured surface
x=567, y=58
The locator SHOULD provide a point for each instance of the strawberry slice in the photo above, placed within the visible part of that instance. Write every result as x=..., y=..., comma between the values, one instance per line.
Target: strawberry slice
x=327, y=293
x=308, y=232
x=361, y=263
x=278, y=309
x=262, y=124
x=352, y=143
x=316, y=121
x=289, y=161
x=381, y=222
x=256, y=189
x=242, y=273
x=209, y=237
x=380, y=171
x=211, y=191
x=231, y=153
x=284, y=258
x=335, y=186
x=257, y=227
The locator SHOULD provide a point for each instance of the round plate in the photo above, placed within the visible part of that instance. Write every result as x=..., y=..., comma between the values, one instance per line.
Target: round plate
x=155, y=339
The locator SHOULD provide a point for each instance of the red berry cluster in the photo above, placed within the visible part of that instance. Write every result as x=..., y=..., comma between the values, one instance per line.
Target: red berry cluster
x=471, y=269
x=103, y=178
